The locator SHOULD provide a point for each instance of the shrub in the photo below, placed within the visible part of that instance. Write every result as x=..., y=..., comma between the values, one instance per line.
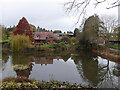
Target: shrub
x=20, y=67
x=66, y=40
x=36, y=85
x=18, y=42
x=60, y=46
x=58, y=41
x=74, y=40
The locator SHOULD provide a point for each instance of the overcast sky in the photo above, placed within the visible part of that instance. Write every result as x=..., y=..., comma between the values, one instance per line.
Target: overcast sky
x=49, y=14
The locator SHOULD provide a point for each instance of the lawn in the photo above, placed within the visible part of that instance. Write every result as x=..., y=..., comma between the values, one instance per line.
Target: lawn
x=45, y=45
x=9, y=38
x=4, y=41
x=115, y=47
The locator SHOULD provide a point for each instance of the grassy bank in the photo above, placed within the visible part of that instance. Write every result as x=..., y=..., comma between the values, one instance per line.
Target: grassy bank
x=8, y=40
x=108, y=53
x=45, y=45
x=49, y=45
x=115, y=47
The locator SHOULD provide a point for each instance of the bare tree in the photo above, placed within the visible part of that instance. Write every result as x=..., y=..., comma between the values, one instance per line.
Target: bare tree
x=110, y=22
x=81, y=5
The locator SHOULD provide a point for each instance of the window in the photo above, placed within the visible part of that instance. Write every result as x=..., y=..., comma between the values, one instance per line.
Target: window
x=48, y=36
x=48, y=40
x=37, y=36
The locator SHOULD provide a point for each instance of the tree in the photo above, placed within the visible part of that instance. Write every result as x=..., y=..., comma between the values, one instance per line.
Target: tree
x=23, y=27
x=110, y=22
x=18, y=42
x=73, y=40
x=11, y=28
x=81, y=6
x=116, y=34
x=65, y=40
x=91, y=30
x=43, y=29
x=57, y=31
x=4, y=32
x=33, y=28
x=69, y=32
x=38, y=28
x=0, y=32
x=76, y=32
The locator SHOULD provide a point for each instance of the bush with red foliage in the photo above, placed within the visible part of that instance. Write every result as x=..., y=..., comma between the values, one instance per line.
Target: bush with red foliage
x=23, y=27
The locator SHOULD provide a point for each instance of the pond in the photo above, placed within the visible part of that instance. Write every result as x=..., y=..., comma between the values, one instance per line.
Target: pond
x=84, y=67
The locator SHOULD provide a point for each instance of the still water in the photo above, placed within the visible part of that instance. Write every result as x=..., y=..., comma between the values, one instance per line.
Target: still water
x=83, y=67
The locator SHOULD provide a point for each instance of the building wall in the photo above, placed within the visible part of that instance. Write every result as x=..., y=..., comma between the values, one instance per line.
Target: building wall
x=49, y=40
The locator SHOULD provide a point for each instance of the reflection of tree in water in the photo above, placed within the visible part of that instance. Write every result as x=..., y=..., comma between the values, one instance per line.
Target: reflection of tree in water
x=45, y=58
x=106, y=73
x=18, y=58
x=5, y=57
x=88, y=67
x=24, y=72
x=116, y=70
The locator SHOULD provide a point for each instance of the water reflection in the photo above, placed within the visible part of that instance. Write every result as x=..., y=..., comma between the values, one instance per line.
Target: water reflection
x=87, y=65
x=98, y=74
x=81, y=67
x=24, y=72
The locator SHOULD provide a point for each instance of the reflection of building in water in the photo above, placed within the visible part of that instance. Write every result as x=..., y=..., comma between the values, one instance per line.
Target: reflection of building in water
x=57, y=57
x=47, y=60
x=65, y=60
x=44, y=60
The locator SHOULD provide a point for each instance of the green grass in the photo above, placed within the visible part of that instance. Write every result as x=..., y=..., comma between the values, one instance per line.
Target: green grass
x=4, y=41
x=115, y=47
x=45, y=45
x=67, y=45
x=9, y=38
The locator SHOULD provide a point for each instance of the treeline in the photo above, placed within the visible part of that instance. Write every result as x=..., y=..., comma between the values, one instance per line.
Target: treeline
x=6, y=32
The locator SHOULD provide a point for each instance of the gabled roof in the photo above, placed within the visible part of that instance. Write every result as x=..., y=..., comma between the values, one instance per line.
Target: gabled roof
x=57, y=38
x=43, y=60
x=43, y=35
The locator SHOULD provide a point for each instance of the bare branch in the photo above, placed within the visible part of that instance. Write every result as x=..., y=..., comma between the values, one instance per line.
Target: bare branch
x=113, y=6
x=80, y=6
x=83, y=10
x=98, y=2
x=115, y=2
